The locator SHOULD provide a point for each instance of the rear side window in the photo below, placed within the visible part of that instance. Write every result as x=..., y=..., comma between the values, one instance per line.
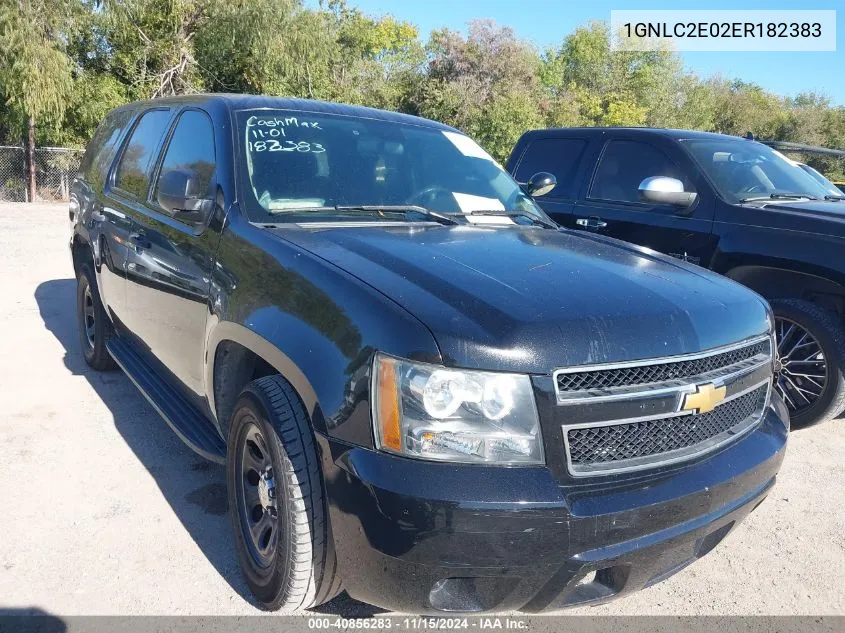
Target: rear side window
x=558, y=156
x=625, y=164
x=192, y=147
x=133, y=171
x=103, y=145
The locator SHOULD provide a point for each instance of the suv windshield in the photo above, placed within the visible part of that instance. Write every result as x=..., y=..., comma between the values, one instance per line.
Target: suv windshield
x=743, y=170
x=295, y=161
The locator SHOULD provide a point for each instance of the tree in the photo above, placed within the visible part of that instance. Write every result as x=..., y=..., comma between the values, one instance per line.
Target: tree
x=35, y=71
x=150, y=44
x=745, y=107
x=335, y=53
x=604, y=87
x=485, y=84
x=67, y=62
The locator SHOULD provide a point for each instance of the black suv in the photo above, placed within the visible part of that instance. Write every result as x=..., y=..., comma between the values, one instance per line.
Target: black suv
x=729, y=204
x=423, y=391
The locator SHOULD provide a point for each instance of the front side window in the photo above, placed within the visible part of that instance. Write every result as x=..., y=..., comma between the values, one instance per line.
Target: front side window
x=192, y=148
x=294, y=160
x=742, y=170
x=625, y=164
x=558, y=156
x=133, y=172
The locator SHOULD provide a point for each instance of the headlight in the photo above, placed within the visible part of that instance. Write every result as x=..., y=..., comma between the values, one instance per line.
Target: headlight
x=432, y=412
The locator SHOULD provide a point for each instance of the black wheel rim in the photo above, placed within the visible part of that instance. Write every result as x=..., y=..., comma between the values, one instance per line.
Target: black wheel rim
x=88, y=316
x=802, y=373
x=256, y=491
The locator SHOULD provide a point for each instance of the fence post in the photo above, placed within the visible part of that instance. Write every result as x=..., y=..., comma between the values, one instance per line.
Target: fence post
x=30, y=154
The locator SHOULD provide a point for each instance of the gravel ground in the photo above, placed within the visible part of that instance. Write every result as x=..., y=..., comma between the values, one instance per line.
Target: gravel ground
x=105, y=511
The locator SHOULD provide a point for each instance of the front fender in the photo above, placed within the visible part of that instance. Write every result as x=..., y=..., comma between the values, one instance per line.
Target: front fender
x=806, y=253
x=314, y=323
x=261, y=347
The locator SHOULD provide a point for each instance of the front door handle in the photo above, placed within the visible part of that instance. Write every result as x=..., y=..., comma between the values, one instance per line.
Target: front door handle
x=591, y=223
x=99, y=216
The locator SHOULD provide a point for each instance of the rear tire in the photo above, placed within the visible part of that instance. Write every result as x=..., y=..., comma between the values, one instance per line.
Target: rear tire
x=799, y=378
x=276, y=500
x=94, y=325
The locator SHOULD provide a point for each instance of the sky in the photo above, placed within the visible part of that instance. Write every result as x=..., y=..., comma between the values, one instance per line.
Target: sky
x=546, y=23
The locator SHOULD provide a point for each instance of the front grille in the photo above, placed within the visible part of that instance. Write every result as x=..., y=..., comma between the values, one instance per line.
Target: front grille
x=606, y=447
x=649, y=374
x=634, y=415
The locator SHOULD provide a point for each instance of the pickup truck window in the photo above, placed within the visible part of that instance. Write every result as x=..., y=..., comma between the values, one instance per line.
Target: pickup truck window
x=742, y=170
x=832, y=189
x=192, y=147
x=294, y=160
x=133, y=171
x=625, y=164
x=558, y=156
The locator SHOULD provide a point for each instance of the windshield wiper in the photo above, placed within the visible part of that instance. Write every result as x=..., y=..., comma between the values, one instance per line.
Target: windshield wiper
x=404, y=209
x=791, y=196
x=371, y=209
x=514, y=214
x=780, y=196
x=834, y=197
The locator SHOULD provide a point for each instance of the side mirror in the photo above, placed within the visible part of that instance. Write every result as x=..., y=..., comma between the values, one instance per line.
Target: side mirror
x=665, y=190
x=540, y=184
x=179, y=193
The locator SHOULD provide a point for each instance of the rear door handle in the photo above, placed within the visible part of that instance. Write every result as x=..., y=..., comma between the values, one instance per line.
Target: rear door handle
x=591, y=223
x=98, y=216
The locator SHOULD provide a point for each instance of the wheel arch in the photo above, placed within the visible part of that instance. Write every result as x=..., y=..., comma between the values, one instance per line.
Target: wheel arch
x=780, y=283
x=237, y=355
x=80, y=253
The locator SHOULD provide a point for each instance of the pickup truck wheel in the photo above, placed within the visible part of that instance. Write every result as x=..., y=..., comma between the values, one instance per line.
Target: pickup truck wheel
x=94, y=325
x=811, y=361
x=276, y=498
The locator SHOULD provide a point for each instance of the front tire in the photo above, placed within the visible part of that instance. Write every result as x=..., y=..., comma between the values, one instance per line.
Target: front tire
x=94, y=325
x=811, y=355
x=276, y=500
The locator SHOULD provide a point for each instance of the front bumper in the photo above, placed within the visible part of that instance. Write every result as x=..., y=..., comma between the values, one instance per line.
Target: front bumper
x=424, y=537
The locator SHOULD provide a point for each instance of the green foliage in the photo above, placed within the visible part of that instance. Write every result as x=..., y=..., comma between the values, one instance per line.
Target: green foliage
x=486, y=84
x=67, y=62
x=35, y=71
x=90, y=99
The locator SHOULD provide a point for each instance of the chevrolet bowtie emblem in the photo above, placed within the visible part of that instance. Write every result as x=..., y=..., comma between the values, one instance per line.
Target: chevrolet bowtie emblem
x=705, y=398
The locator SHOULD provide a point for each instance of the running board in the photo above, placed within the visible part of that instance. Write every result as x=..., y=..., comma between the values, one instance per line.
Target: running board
x=187, y=422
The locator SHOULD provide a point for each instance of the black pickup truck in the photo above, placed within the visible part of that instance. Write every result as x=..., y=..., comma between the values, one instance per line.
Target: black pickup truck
x=729, y=204
x=422, y=389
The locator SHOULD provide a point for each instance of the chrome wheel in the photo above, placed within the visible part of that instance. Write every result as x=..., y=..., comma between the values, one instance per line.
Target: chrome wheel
x=259, y=511
x=88, y=313
x=802, y=371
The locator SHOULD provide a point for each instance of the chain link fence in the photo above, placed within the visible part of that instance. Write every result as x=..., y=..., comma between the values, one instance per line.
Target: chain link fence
x=55, y=168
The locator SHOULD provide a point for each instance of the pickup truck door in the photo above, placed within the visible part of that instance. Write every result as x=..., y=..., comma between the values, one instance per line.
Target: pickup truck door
x=612, y=204
x=169, y=268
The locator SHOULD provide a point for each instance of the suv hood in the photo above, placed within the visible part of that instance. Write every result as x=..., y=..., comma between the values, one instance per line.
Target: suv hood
x=531, y=300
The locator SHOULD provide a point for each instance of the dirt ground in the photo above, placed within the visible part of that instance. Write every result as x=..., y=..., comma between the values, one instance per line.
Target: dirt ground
x=105, y=511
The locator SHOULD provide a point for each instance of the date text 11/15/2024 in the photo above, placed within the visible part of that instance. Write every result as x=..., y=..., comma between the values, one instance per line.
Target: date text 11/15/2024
x=419, y=623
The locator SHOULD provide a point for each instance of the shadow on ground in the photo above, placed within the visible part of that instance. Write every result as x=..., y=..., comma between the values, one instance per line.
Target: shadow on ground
x=30, y=620
x=194, y=487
